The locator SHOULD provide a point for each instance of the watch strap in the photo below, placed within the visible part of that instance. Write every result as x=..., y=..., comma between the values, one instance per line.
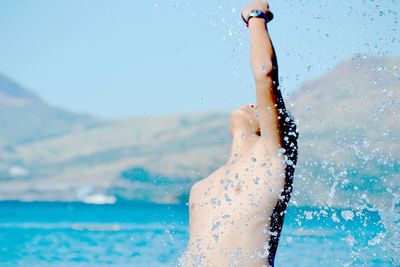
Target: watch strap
x=266, y=16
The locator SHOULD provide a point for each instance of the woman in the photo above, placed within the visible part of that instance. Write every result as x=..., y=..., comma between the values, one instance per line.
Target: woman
x=236, y=213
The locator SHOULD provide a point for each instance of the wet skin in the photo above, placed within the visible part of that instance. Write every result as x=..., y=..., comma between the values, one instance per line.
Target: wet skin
x=230, y=210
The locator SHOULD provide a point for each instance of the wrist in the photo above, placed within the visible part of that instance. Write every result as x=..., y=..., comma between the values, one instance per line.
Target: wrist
x=256, y=15
x=257, y=22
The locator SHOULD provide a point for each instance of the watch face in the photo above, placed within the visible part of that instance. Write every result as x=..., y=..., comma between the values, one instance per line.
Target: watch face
x=255, y=12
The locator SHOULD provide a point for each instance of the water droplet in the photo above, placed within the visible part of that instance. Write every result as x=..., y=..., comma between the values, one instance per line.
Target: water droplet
x=215, y=237
x=214, y=201
x=289, y=162
x=347, y=215
x=377, y=239
x=256, y=180
x=271, y=189
x=215, y=226
x=350, y=240
x=227, y=198
x=225, y=216
x=263, y=69
x=309, y=215
x=335, y=218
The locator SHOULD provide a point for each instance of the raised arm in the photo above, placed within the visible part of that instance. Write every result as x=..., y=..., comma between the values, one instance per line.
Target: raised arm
x=265, y=71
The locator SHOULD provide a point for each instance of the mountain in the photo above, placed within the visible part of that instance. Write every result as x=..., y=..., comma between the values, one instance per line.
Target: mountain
x=25, y=118
x=349, y=125
x=347, y=118
x=171, y=149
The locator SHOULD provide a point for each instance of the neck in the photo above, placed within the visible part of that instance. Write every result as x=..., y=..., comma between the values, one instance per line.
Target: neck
x=241, y=142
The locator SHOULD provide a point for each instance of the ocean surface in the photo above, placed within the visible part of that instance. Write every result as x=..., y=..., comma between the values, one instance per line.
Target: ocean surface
x=143, y=234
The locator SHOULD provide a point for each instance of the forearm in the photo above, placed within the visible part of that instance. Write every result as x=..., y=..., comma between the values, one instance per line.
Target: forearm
x=262, y=54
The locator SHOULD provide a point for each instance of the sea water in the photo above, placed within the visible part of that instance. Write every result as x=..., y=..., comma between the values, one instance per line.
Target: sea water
x=143, y=234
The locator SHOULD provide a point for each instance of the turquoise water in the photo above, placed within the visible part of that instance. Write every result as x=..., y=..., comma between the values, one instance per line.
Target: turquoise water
x=142, y=234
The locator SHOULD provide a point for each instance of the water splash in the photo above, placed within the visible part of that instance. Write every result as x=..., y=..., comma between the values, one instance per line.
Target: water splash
x=390, y=218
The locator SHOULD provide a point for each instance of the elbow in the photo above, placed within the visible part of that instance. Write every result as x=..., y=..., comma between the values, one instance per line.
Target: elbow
x=264, y=82
x=264, y=75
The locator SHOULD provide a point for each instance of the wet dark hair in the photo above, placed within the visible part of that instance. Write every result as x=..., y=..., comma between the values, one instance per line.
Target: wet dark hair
x=289, y=135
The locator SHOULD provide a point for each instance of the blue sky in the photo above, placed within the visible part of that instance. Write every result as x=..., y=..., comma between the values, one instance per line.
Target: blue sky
x=127, y=58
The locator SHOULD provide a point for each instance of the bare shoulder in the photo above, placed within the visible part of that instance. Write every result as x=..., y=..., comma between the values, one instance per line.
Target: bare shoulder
x=201, y=185
x=196, y=190
x=195, y=187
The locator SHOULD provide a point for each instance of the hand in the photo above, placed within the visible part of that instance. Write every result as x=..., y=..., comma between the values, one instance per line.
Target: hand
x=257, y=4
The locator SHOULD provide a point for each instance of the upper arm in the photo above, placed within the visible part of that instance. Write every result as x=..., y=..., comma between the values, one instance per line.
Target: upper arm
x=266, y=83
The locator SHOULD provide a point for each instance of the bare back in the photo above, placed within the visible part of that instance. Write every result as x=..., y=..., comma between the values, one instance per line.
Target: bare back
x=230, y=210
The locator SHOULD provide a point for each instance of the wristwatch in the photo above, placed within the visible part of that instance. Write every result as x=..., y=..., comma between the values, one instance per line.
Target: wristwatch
x=256, y=13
